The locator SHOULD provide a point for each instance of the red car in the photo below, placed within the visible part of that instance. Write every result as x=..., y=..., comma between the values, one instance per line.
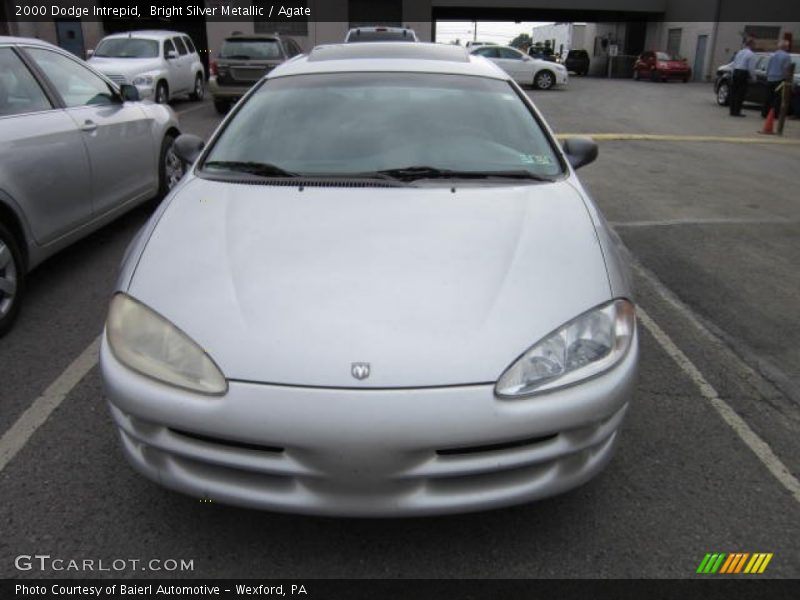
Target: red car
x=660, y=66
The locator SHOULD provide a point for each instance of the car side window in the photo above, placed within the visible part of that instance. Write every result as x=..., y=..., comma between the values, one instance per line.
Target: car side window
x=168, y=47
x=180, y=46
x=76, y=84
x=510, y=54
x=488, y=52
x=189, y=44
x=19, y=91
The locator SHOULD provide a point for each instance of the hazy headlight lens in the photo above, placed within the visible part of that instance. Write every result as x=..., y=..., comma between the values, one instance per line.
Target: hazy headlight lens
x=146, y=342
x=586, y=346
x=143, y=80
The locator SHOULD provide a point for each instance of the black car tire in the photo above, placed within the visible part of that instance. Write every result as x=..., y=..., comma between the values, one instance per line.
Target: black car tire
x=13, y=269
x=222, y=106
x=162, y=93
x=167, y=164
x=723, y=93
x=544, y=80
x=199, y=89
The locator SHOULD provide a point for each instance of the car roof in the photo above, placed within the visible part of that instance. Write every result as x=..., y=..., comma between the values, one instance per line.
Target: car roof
x=389, y=56
x=254, y=36
x=6, y=39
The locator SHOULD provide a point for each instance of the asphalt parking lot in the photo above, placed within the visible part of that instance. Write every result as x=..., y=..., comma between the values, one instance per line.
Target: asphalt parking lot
x=708, y=460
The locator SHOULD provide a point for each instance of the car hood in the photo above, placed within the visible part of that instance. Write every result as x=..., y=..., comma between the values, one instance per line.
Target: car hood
x=430, y=286
x=129, y=67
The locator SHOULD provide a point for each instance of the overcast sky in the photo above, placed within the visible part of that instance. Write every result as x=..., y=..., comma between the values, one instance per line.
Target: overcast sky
x=500, y=32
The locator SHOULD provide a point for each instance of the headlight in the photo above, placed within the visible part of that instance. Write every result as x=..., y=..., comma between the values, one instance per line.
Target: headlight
x=586, y=346
x=146, y=342
x=143, y=80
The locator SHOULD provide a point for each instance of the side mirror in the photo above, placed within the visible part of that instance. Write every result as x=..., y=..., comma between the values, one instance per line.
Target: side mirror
x=188, y=147
x=129, y=93
x=90, y=53
x=172, y=54
x=580, y=151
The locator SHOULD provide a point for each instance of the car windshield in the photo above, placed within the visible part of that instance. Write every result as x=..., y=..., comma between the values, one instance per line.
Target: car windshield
x=366, y=124
x=249, y=49
x=127, y=48
x=665, y=56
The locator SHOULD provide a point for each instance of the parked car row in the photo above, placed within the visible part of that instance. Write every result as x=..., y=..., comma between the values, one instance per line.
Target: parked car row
x=76, y=151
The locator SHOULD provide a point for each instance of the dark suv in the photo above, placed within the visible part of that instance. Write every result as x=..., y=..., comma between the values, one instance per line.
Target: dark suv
x=577, y=61
x=242, y=61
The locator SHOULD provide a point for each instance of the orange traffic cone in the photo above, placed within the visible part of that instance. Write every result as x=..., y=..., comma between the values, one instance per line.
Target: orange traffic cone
x=769, y=123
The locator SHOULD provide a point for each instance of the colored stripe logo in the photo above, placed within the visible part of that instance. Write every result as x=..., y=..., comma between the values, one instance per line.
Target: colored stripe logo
x=734, y=563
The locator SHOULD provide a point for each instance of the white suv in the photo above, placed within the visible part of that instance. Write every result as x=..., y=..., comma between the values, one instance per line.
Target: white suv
x=161, y=64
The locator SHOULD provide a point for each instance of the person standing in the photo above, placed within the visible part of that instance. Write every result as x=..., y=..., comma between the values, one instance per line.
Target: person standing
x=776, y=71
x=743, y=71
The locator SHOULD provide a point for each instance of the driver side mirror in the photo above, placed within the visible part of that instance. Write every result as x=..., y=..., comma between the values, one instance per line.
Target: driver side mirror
x=171, y=55
x=129, y=93
x=580, y=151
x=188, y=147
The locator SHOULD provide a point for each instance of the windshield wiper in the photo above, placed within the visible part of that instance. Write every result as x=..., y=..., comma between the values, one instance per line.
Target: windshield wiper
x=423, y=172
x=251, y=168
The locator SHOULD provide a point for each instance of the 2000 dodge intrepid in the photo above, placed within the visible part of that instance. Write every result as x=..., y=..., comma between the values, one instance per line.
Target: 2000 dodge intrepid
x=380, y=290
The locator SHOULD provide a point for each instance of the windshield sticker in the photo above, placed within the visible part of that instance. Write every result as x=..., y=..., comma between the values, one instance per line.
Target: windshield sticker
x=536, y=159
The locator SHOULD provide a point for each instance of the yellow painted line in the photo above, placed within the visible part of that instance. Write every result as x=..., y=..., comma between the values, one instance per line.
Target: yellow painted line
x=652, y=137
x=765, y=563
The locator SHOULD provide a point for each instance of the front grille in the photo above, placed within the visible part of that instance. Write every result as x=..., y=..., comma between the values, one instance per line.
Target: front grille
x=496, y=447
x=231, y=443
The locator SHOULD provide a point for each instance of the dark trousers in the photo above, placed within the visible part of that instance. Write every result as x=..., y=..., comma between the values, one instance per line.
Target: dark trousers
x=738, y=90
x=772, y=100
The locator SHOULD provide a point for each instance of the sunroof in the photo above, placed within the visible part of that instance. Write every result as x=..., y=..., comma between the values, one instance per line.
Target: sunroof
x=382, y=50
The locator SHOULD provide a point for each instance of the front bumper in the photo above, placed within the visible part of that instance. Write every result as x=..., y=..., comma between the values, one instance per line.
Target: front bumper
x=368, y=452
x=562, y=78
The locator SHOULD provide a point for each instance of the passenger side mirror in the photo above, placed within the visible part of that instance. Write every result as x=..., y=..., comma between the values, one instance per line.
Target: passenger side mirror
x=580, y=151
x=129, y=93
x=188, y=147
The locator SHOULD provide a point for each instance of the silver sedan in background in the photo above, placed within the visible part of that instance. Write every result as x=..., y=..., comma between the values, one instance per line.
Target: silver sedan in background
x=76, y=151
x=380, y=291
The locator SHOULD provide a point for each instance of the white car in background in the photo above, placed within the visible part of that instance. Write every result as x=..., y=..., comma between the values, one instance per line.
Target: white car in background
x=161, y=64
x=524, y=69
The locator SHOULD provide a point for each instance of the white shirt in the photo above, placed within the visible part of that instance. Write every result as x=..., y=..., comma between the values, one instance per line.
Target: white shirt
x=745, y=60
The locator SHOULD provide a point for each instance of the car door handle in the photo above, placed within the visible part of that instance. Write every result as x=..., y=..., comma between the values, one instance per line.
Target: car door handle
x=89, y=126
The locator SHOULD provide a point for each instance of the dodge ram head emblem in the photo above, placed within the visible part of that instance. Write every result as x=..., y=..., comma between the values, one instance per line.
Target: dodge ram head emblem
x=359, y=370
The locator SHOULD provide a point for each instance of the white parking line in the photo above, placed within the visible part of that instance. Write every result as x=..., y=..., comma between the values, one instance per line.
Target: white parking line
x=759, y=447
x=21, y=431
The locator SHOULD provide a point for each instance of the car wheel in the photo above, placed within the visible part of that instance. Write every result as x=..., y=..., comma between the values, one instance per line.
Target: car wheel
x=222, y=106
x=12, y=279
x=199, y=89
x=162, y=93
x=723, y=93
x=171, y=168
x=543, y=80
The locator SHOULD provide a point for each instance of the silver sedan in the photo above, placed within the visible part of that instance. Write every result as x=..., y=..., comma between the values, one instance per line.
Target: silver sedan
x=76, y=151
x=381, y=290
